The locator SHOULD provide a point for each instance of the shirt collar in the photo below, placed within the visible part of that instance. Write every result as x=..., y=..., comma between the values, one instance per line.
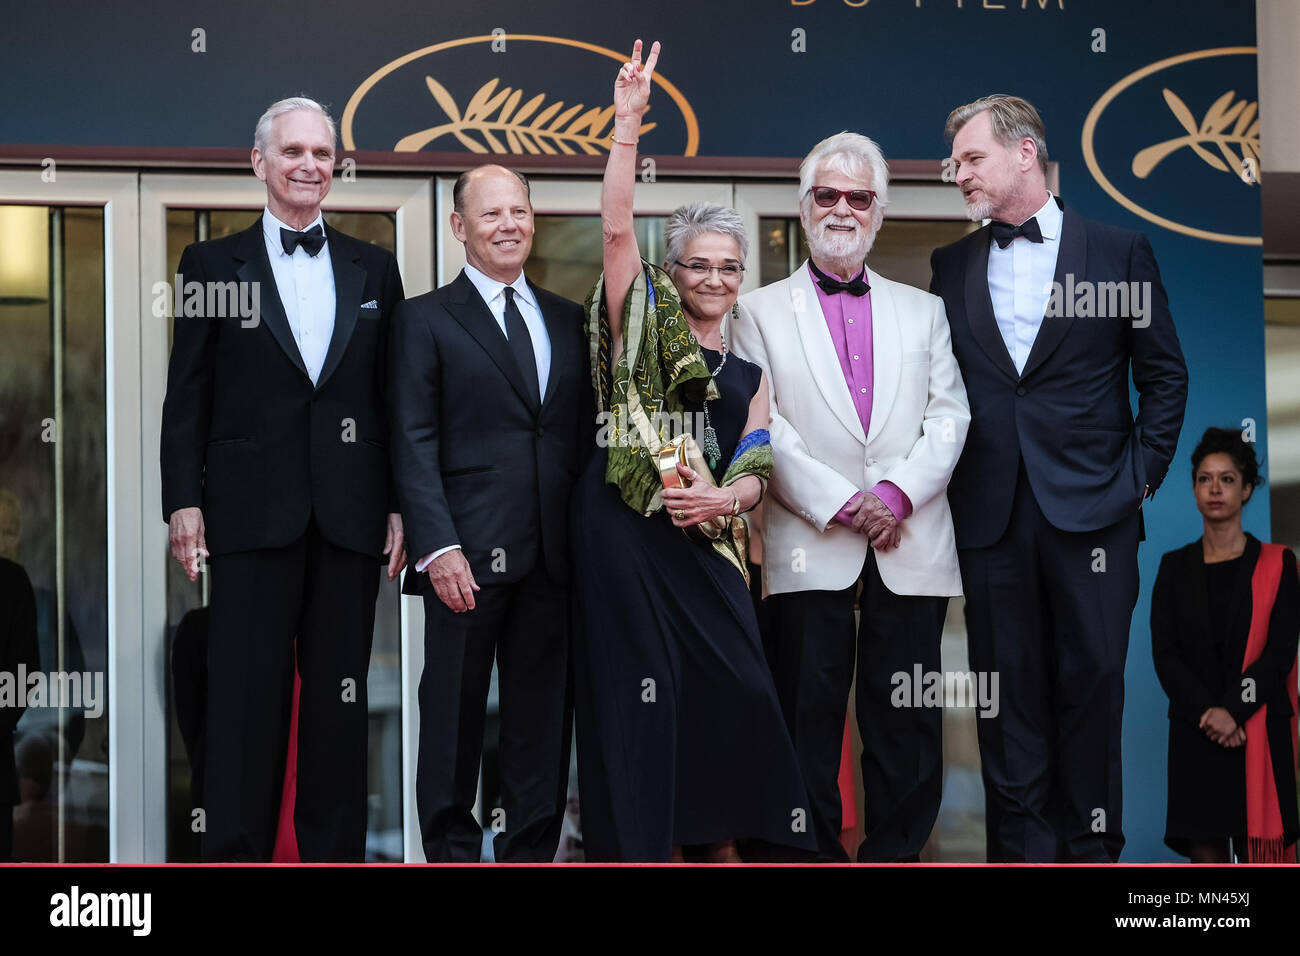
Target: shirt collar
x=860, y=273
x=271, y=227
x=490, y=288
x=1049, y=218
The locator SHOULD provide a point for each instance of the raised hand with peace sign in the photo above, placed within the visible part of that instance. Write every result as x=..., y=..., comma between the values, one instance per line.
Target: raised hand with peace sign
x=632, y=89
x=622, y=258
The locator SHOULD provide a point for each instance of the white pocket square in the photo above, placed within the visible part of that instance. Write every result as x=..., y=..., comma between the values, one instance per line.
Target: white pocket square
x=372, y=304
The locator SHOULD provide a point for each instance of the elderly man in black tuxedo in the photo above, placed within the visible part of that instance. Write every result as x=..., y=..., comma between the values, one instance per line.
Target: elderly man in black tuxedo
x=1049, y=312
x=275, y=468
x=492, y=410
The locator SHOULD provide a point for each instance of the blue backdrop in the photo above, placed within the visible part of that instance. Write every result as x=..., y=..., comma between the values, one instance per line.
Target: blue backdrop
x=752, y=78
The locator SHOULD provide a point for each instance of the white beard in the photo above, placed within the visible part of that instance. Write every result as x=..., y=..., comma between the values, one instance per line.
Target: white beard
x=983, y=209
x=840, y=247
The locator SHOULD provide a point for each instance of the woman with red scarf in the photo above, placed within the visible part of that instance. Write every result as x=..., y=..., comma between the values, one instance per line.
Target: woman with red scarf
x=1225, y=619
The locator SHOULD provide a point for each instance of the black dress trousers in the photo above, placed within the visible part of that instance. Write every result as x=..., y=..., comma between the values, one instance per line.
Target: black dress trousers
x=1049, y=611
x=817, y=649
x=524, y=626
x=262, y=600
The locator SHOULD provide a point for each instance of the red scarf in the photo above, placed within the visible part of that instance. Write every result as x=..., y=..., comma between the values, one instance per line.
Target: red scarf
x=1263, y=813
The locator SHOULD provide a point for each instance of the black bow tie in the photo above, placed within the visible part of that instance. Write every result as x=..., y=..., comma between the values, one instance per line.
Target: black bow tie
x=313, y=240
x=1004, y=233
x=857, y=286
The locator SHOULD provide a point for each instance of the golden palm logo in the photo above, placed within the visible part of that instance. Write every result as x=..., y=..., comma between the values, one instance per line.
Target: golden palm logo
x=1211, y=131
x=506, y=119
x=1226, y=139
x=493, y=114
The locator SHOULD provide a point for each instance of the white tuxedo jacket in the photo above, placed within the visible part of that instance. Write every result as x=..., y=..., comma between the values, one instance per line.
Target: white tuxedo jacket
x=919, y=419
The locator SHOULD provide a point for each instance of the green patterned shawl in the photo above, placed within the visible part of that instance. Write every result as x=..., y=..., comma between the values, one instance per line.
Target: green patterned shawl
x=661, y=362
x=638, y=404
x=753, y=457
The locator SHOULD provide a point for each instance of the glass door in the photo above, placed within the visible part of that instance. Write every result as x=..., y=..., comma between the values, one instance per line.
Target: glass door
x=68, y=461
x=178, y=210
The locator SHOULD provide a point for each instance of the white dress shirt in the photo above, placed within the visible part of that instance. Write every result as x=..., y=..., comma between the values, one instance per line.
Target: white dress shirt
x=492, y=292
x=1020, y=282
x=306, y=287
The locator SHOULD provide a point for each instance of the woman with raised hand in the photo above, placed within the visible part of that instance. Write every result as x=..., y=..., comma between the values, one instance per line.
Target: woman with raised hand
x=681, y=742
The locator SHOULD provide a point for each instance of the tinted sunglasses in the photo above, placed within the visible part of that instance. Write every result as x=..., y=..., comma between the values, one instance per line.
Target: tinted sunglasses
x=859, y=199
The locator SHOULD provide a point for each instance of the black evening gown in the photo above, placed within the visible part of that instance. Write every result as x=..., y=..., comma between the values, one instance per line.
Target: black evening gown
x=680, y=735
x=1205, y=612
x=1207, y=789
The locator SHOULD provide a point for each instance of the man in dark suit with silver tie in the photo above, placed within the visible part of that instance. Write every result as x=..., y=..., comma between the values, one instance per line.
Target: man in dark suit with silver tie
x=492, y=405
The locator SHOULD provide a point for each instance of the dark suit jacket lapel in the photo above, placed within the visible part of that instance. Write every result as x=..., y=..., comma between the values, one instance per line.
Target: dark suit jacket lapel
x=560, y=338
x=253, y=265
x=468, y=308
x=979, y=305
x=1071, y=260
x=349, y=284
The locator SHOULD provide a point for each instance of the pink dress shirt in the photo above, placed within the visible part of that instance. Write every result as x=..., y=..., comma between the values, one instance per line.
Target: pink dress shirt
x=848, y=319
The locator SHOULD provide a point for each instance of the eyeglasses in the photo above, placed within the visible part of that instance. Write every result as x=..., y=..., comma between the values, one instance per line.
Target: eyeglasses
x=859, y=199
x=730, y=271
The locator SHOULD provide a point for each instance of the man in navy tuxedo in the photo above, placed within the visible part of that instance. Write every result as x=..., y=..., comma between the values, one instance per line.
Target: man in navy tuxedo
x=1049, y=312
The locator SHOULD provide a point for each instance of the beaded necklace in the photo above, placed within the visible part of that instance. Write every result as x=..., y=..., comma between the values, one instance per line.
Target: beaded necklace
x=712, y=451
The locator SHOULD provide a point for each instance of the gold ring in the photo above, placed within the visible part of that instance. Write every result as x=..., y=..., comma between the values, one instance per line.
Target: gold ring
x=680, y=515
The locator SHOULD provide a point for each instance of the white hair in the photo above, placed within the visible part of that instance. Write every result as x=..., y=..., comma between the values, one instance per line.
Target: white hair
x=695, y=219
x=262, y=132
x=853, y=155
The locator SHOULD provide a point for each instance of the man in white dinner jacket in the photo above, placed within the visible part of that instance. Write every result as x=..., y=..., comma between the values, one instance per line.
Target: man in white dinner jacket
x=869, y=415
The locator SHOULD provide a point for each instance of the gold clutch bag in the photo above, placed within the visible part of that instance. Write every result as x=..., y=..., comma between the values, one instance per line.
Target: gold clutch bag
x=684, y=450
